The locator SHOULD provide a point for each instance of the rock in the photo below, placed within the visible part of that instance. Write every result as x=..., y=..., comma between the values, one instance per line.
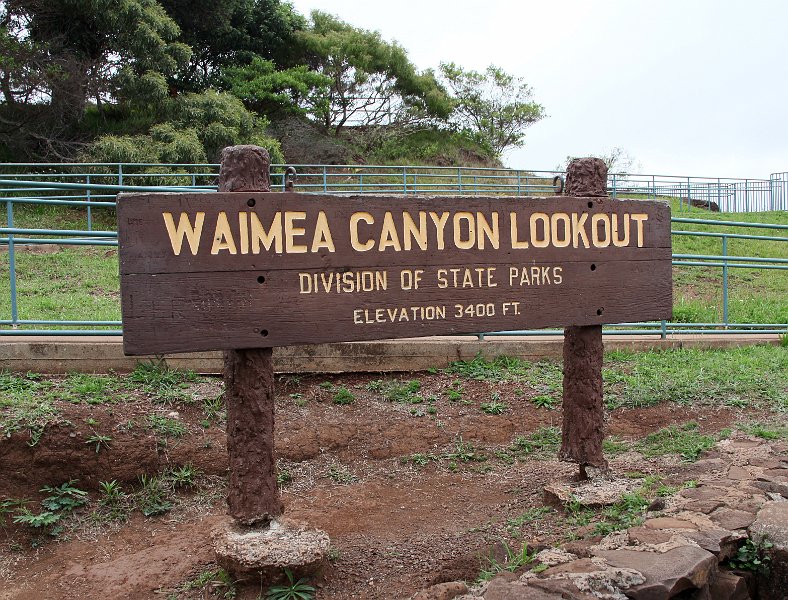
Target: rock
x=739, y=473
x=707, y=204
x=772, y=523
x=703, y=506
x=707, y=465
x=656, y=505
x=563, y=588
x=591, y=493
x=554, y=556
x=704, y=492
x=593, y=578
x=260, y=554
x=772, y=487
x=442, y=591
x=668, y=523
x=582, y=548
x=720, y=542
x=729, y=518
x=727, y=586
x=642, y=536
x=766, y=463
x=501, y=588
x=775, y=473
x=744, y=444
x=668, y=574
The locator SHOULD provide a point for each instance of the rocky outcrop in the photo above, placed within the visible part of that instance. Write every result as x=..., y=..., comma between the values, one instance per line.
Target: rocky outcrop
x=682, y=550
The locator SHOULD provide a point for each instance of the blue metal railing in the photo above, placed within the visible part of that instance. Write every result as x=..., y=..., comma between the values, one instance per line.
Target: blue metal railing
x=93, y=195
x=727, y=194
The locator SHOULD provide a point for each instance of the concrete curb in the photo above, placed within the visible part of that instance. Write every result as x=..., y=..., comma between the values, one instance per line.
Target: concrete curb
x=54, y=354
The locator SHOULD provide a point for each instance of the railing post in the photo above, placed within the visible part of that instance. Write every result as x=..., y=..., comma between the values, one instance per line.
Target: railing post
x=459, y=180
x=519, y=192
x=719, y=194
x=404, y=180
x=663, y=329
x=725, y=280
x=325, y=179
x=87, y=197
x=747, y=195
x=12, y=264
x=614, y=186
x=120, y=173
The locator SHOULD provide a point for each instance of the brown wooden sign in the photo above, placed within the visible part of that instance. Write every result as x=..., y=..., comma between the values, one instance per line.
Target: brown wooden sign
x=251, y=269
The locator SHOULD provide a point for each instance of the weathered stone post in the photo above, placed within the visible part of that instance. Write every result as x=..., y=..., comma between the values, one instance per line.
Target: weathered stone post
x=583, y=426
x=253, y=496
x=258, y=545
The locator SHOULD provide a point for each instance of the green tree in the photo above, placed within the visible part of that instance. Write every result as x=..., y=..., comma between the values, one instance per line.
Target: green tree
x=194, y=129
x=265, y=90
x=92, y=47
x=372, y=81
x=231, y=33
x=495, y=107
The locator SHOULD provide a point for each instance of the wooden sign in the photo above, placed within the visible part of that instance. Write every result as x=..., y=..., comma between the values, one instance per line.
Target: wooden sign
x=251, y=269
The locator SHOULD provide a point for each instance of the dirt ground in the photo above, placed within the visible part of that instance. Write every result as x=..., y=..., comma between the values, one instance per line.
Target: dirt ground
x=412, y=491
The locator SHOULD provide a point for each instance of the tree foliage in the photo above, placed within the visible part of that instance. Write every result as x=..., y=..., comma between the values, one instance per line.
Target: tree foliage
x=372, y=81
x=267, y=90
x=231, y=33
x=195, y=129
x=92, y=48
x=495, y=107
x=177, y=80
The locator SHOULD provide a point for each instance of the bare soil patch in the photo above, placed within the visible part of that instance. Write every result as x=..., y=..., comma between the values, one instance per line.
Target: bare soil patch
x=413, y=487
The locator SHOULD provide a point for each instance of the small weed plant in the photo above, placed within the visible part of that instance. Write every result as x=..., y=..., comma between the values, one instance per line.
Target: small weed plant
x=545, y=401
x=343, y=396
x=514, y=560
x=292, y=590
x=166, y=426
x=493, y=407
x=753, y=556
x=61, y=502
x=98, y=440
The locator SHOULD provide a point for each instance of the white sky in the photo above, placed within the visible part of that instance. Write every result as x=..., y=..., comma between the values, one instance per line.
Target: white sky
x=686, y=87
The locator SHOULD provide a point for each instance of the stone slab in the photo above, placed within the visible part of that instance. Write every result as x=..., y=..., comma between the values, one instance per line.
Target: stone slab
x=667, y=574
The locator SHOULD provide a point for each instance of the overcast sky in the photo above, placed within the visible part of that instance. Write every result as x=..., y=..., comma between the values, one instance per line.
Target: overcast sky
x=686, y=87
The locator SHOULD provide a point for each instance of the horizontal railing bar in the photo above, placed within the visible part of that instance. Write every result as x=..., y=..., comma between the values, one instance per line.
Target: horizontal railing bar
x=59, y=202
x=53, y=332
x=727, y=223
x=728, y=257
x=731, y=265
x=22, y=231
x=740, y=236
x=59, y=241
x=50, y=322
x=102, y=186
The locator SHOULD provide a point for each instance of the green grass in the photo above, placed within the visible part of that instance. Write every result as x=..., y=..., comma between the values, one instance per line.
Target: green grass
x=684, y=440
x=756, y=295
x=750, y=376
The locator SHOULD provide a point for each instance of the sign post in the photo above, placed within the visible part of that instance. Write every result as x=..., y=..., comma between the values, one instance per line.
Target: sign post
x=253, y=495
x=245, y=270
x=582, y=432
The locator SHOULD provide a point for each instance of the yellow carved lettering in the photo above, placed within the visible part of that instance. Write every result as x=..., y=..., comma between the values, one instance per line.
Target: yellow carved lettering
x=184, y=229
